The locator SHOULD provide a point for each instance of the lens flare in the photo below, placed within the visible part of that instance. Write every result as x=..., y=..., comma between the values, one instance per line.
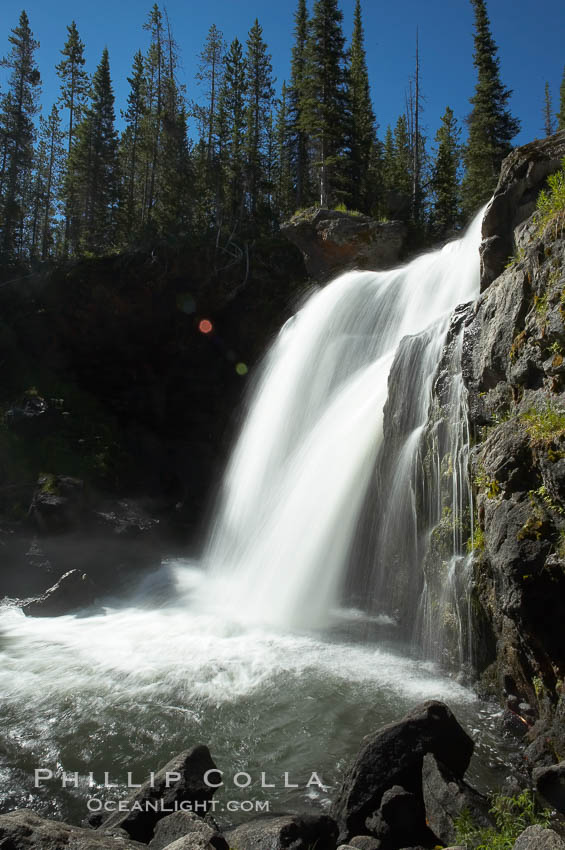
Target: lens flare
x=205, y=326
x=241, y=369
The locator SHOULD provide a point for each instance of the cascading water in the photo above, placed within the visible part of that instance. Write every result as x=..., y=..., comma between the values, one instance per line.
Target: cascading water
x=328, y=493
x=313, y=438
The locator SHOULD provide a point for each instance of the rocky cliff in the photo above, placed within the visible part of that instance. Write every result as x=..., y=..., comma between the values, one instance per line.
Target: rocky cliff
x=513, y=366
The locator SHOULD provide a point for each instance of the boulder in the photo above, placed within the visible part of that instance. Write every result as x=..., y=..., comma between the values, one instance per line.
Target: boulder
x=393, y=756
x=181, y=781
x=186, y=824
x=446, y=797
x=333, y=241
x=538, y=838
x=73, y=591
x=24, y=830
x=400, y=818
x=522, y=176
x=298, y=832
x=550, y=783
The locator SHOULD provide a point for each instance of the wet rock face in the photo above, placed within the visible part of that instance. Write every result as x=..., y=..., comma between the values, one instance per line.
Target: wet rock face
x=333, y=242
x=522, y=176
x=513, y=366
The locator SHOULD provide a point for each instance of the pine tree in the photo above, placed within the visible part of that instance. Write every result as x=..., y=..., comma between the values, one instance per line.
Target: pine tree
x=296, y=96
x=210, y=69
x=174, y=183
x=548, y=121
x=403, y=158
x=283, y=185
x=152, y=126
x=491, y=126
x=94, y=164
x=561, y=114
x=362, y=117
x=259, y=96
x=18, y=107
x=324, y=116
x=75, y=89
x=130, y=150
x=445, y=183
x=49, y=174
x=388, y=165
x=231, y=129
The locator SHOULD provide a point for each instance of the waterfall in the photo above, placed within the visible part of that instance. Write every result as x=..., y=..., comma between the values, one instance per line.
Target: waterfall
x=296, y=512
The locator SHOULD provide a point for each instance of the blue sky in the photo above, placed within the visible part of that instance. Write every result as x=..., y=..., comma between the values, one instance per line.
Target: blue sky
x=529, y=34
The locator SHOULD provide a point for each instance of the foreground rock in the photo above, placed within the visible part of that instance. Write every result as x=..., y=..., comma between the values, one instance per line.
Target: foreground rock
x=446, y=798
x=180, y=781
x=186, y=825
x=73, y=591
x=538, y=838
x=333, y=241
x=286, y=833
x=24, y=830
x=393, y=756
x=550, y=783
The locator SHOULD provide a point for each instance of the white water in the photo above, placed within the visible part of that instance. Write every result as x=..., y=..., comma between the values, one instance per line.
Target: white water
x=298, y=477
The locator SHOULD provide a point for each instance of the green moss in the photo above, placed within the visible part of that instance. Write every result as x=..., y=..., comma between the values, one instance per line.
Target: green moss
x=484, y=483
x=476, y=543
x=518, y=344
x=515, y=259
x=551, y=203
x=342, y=208
x=541, y=303
x=544, y=425
x=512, y=815
x=532, y=528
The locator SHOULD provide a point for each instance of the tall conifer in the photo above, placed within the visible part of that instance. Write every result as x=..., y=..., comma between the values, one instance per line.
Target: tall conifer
x=325, y=115
x=362, y=116
x=296, y=97
x=259, y=93
x=561, y=114
x=18, y=107
x=445, y=181
x=491, y=125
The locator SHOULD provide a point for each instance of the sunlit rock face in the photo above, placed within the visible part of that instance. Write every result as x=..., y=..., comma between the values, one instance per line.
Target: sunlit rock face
x=333, y=241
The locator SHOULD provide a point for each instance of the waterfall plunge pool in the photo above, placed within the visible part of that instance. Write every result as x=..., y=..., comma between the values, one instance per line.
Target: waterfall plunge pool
x=124, y=690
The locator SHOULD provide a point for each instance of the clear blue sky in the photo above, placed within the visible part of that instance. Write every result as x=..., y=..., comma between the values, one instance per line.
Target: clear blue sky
x=529, y=34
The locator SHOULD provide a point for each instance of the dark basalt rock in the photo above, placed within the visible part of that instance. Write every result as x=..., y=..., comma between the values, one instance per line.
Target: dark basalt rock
x=333, y=242
x=24, y=830
x=186, y=825
x=394, y=756
x=299, y=832
x=73, y=591
x=399, y=819
x=189, y=789
x=550, y=783
x=446, y=797
x=522, y=176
